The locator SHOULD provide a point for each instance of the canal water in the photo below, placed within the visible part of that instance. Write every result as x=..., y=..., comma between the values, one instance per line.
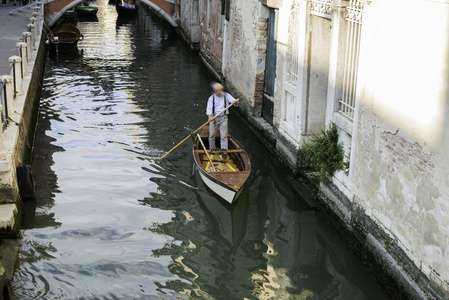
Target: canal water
x=110, y=223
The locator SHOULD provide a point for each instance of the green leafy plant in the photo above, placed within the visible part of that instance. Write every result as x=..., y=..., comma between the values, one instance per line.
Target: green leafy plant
x=325, y=153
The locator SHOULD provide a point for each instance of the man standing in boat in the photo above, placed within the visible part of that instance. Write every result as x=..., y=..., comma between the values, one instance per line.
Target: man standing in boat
x=216, y=103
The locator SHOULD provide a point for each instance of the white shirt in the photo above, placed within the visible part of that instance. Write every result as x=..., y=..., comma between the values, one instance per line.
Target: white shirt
x=219, y=104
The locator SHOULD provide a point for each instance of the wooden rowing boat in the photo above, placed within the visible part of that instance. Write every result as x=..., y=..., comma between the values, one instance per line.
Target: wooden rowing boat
x=64, y=38
x=230, y=173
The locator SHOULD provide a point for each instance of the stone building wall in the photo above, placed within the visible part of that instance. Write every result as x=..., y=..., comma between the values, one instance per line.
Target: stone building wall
x=304, y=43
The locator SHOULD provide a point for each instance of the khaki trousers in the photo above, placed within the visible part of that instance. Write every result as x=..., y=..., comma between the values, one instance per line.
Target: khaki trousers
x=219, y=126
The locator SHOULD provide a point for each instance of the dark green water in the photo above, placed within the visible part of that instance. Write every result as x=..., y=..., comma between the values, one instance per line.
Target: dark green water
x=110, y=224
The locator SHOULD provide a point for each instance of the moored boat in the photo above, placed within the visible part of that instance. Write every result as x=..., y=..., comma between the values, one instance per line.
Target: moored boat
x=87, y=10
x=224, y=175
x=64, y=38
x=126, y=8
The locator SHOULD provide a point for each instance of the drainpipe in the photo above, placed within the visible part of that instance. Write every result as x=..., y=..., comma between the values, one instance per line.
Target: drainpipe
x=225, y=48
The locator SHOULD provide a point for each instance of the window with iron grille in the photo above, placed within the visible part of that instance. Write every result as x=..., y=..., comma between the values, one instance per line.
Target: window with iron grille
x=354, y=18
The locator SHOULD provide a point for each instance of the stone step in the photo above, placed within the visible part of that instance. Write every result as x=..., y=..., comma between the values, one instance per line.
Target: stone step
x=9, y=221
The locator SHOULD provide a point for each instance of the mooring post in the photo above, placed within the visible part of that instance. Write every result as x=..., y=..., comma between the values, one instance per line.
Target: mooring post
x=17, y=75
x=38, y=19
x=22, y=47
x=33, y=21
x=32, y=29
x=37, y=10
x=27, y=40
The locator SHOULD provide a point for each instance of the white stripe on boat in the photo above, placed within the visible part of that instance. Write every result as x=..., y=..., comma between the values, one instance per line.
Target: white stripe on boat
x=221, y=191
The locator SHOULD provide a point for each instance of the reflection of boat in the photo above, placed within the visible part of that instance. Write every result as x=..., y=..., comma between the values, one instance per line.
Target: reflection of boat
x=72, y=55
x=225, y=177
x=229, y=221
x=87, y=10
x=64, y=38
x=92, y=18
x=126, y=8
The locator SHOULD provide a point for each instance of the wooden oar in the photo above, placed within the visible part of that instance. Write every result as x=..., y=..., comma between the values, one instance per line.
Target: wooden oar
x=193, y=133
x=207, y=154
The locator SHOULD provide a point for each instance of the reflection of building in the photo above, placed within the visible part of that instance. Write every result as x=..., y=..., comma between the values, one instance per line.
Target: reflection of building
x=302, y=260
x=378, y=70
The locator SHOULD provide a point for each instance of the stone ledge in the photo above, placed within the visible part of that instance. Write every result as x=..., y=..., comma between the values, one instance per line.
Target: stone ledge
x=9, y=250
x=338, y=201
x=396, y=270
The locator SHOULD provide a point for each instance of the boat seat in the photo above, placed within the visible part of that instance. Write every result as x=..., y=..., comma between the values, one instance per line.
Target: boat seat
x=217, y=151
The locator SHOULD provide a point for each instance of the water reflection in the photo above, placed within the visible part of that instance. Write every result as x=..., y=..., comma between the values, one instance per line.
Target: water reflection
x=112, y=224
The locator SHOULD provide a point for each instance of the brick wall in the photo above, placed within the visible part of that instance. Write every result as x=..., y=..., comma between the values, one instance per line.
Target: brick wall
x=211, y=39
x=398, y=151
x=262, y=30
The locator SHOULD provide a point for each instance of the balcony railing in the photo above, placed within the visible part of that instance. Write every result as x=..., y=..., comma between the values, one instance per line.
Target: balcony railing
x=322, y=8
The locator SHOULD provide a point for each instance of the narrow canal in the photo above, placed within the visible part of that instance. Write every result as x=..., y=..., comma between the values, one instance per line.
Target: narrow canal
x=111, y=224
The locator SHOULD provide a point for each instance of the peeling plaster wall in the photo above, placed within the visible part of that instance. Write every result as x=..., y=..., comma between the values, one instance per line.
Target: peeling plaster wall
x=400, y=170
x=245, y=57
x=235, y=51
x=211, y=32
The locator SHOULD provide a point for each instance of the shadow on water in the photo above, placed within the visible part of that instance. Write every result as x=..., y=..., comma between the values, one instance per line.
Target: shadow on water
x=111, y=223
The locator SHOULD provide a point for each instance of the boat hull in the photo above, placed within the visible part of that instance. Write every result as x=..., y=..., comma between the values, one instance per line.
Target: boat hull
x=220, y=189
x=87, y=11
x=64, y=38
x=126, y=12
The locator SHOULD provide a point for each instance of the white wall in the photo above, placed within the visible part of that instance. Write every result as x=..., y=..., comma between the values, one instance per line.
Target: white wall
x=400, y=169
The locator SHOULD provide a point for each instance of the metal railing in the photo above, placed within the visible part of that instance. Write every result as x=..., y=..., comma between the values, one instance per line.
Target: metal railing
x=14, y=80
x=3, y=101
x=350, y=76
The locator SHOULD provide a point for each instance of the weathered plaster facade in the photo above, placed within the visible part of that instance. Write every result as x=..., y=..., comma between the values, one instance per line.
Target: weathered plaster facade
x=190, y=22
x=232, y=42
x=245, y=58
x=400, y=165
x=211, y=31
